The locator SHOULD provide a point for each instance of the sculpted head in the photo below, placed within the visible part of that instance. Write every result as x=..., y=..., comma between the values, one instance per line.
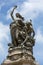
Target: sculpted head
x=19, y=16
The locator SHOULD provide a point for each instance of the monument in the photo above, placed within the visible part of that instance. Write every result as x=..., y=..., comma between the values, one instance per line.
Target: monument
x=20, y=50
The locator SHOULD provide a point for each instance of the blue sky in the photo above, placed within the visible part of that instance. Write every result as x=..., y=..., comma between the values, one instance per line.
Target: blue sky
x=30, y=9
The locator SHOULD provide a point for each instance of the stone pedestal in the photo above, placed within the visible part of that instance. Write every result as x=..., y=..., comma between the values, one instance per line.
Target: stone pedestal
x=21, y=61
x=20, y=56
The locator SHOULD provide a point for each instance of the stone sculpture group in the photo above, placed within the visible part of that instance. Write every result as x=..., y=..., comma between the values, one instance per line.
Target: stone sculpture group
x=21, y=49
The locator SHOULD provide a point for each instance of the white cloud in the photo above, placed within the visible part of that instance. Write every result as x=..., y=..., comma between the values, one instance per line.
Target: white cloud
x=1, y=48
x=4, y=31
x=39, y=36
x=9, y=12
x=36, y=1
x=38, y=52
x=1, y=5
x=30, y=9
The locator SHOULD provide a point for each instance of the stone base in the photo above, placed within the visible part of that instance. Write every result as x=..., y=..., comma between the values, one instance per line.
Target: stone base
x=21, y=61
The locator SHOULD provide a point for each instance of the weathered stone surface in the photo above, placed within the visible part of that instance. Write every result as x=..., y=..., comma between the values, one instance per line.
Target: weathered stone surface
x=21, y=61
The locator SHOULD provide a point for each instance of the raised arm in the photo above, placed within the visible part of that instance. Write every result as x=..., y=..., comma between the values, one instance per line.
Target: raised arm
x=12, y=12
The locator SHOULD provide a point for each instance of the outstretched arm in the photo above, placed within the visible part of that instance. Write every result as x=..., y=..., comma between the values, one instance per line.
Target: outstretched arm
x=12, y=12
